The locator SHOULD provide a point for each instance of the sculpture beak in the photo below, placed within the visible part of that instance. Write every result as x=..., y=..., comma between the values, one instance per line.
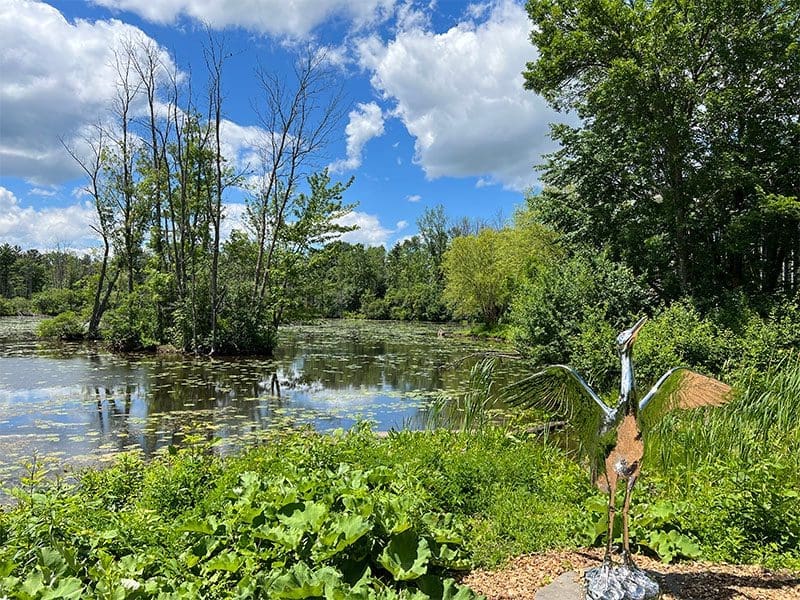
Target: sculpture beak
x=635, y=329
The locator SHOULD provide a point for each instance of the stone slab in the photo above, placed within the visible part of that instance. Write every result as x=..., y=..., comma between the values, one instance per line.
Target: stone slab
x=567, y=586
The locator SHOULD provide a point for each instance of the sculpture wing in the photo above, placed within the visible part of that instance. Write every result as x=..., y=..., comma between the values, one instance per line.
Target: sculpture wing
x=561, y=390
x=681, y=388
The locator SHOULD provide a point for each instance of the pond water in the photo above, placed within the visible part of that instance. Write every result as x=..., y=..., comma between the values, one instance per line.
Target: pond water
x=77, y=404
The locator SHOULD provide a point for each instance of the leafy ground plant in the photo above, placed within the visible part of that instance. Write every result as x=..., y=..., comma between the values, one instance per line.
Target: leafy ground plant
x=288, y=530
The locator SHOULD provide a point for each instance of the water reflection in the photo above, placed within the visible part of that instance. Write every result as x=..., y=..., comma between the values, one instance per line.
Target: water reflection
x=82, y=405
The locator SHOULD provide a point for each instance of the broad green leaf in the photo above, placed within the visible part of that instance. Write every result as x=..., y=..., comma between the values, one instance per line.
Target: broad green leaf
x=302, y=582
x=345, y=531
x=67, y=589
x=198, y=526
x=406, y=556
x=446, y=589
x=227, y=561
x=6, y=567
x=285, y=536
x=309, y=518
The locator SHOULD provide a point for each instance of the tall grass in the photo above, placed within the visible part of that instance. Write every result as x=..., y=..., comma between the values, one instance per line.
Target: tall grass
x=761, y=422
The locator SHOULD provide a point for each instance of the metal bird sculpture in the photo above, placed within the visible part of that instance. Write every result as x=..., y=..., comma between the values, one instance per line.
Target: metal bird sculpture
x=612, y=438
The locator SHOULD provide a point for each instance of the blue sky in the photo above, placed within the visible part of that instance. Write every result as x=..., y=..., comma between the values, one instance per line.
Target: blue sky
x=437, y=113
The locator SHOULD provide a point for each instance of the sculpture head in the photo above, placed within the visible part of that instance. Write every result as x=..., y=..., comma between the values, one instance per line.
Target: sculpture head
x=626, y=339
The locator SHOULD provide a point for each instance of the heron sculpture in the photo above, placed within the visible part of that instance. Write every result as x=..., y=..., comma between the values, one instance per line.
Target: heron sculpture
x=612, y=438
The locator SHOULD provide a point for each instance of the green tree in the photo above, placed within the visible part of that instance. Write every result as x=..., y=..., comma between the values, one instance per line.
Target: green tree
x=571, y=309
x=483, y=271
x=688, y=108
x=413, y=283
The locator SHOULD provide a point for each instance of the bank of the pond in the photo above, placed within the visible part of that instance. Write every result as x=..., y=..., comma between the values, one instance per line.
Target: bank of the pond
x=349, y=515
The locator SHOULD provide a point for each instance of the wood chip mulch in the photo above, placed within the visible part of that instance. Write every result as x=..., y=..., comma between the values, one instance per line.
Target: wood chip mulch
x=522, y=576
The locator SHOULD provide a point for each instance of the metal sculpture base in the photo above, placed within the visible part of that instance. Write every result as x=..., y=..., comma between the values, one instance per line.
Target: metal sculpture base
x=619, y=582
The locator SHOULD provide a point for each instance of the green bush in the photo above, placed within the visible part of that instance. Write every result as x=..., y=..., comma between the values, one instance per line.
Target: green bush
x=133, y=324
x=6, y=307
x=17, y=306
x=270, y=523
x=766, y=341
x=375, y=308
x=53, y=301
x=570, y=312
x=680, y=336
x=66, y=326
x=241, y=330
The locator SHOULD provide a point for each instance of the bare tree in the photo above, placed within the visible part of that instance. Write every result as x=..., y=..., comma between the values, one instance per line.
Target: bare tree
x=146, y=60
x=92, y=165
x=128, y=86
x=215, y=56
x=299, y=117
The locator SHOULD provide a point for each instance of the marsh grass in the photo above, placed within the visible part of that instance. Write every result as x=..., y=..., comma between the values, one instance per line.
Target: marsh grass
x=762, y=420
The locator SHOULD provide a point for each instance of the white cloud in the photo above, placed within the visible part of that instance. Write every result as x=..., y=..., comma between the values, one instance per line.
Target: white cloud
x=240, y=144
x=234, y=214
x=370, y=232
x=460, y=94
x=277, y=17
x=414, y=198
x=366, y=122
x=46, y=228
x=42, y=192
x=400, y=225
x=57, y=78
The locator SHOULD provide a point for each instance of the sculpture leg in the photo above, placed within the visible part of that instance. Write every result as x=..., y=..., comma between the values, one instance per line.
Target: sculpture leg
x=626, y=548
x=612, y=511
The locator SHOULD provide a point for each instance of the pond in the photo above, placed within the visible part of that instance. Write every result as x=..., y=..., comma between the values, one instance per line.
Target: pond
x=77, y=404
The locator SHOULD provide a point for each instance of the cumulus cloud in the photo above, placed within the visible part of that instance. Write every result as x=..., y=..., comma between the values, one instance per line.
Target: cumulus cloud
x=414, y=198
x=366, y=122
x=370, y=232
x=57, y=78
x=240, y=143
x=460, y=94
x=277, y=17
x=46, y=228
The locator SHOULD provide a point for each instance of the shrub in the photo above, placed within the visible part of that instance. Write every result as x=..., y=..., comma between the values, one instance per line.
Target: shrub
x=6, y=307
x=53, y=301
x=133, y=324
x=766, y=341
x=680, y=336
x=583, y=295
x=66, y=326
x=19, y=306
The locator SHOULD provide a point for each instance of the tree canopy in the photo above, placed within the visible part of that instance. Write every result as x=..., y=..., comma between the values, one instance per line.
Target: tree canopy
x=686, y=163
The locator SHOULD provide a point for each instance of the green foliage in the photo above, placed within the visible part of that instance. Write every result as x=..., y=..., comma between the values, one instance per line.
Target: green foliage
x=66, y=326
x=6, y=308
x=414, y=284
x=133, y=323
x=767, y=341
x=653, y=527
x=53, y=301
x=483, y=271
x=343, y=513
x=242, y=330
x=571, y=310
x=680, y=336
x=683, y=163
x=17, y=306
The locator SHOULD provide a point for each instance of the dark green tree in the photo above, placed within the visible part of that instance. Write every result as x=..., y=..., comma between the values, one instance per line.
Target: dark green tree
x=689, y=132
